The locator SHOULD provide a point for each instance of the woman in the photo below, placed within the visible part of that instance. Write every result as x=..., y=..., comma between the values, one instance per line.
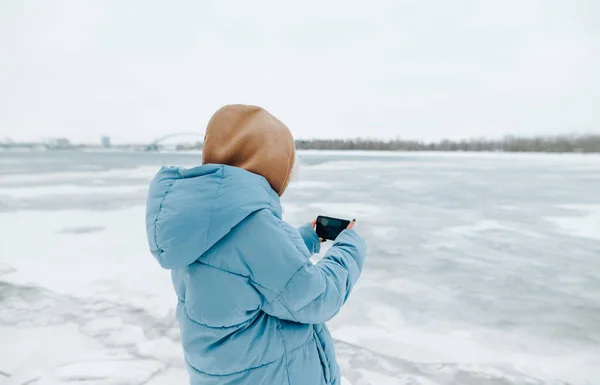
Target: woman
x=251, y=305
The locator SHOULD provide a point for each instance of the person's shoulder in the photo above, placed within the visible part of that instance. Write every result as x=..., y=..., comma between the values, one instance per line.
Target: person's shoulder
x=265, y=223
x=271, y=248
x=264, y=220
x=263, y=215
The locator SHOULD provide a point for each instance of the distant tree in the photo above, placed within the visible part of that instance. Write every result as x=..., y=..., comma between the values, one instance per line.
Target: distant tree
x=563, y=143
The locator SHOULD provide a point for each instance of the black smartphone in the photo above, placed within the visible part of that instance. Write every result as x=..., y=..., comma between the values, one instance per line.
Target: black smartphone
x=330, y=228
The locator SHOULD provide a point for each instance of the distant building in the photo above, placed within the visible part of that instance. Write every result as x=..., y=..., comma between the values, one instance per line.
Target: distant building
x=62, y=143
x=106, y=142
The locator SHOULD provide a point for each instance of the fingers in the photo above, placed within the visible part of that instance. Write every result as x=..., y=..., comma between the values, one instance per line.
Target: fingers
x=351, y=225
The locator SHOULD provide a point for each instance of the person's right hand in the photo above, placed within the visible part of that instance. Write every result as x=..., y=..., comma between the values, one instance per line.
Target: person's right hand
x=351, y=225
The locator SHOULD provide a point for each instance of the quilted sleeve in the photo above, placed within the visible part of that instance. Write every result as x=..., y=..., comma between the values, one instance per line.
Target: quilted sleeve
x=311, y=240
x=294, y=288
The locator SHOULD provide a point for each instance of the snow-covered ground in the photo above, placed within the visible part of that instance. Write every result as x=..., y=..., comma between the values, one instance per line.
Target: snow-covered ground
x=482, y=269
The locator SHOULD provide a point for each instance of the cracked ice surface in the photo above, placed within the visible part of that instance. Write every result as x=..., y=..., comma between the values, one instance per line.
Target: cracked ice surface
x=482, y=269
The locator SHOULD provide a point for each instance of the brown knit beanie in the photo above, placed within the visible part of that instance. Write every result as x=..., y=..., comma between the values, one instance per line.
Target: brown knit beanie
x=251, y=138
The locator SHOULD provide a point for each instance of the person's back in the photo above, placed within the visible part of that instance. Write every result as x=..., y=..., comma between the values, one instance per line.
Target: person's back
x=251, y=305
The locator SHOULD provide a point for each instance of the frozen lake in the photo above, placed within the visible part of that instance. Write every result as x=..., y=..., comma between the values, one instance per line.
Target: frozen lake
x=483, y=269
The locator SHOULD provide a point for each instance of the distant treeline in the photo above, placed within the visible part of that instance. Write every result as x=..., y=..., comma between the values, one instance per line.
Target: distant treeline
x=564, y=143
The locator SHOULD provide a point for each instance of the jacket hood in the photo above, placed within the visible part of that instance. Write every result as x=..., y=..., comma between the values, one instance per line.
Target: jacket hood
x=249, y=137
x=189, y=210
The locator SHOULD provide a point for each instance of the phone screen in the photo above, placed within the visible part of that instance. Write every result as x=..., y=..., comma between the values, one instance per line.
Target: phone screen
x=330, y=228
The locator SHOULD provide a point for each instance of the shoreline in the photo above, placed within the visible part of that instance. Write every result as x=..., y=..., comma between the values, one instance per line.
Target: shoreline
x=328, y=152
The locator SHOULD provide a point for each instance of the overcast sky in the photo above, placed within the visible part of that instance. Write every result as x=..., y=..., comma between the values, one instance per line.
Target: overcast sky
x=136, y=70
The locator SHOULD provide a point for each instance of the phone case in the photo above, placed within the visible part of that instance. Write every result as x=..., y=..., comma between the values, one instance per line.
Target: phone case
x=329, y=228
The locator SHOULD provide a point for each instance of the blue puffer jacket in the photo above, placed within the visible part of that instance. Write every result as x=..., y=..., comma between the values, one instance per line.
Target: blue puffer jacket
x=251, y=305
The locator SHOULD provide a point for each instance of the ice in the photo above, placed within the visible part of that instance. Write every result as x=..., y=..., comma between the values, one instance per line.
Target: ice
x=508, y=207
x=28, y=353
x=357, y=166
x=568, y=158
x=99, y=327
x=66, y=177
x=485, y=226
x=380, y=379
x=33, y=192
x=170, y=377
x=347, y=210
x=113, y=263
x=586, y=225
x=383, y=233
x=310, y=185
x=126, y=335
x=164, y=349
x=481, y=269
x=101, y=351
x=109, y=372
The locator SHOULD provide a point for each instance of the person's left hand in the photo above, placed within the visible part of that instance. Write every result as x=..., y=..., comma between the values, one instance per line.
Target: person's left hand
x=314, y=226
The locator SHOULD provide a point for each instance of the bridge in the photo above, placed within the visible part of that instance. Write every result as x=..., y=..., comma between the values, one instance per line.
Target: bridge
x=154, y=146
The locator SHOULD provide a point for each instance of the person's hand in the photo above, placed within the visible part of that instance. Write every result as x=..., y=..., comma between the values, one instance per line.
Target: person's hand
x=350, y=227
x=314, y=226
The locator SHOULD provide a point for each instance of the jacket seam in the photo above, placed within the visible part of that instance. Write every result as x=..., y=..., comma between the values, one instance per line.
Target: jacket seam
x=206, y=325
x=279, y=293
x=322, y=357
x=288, y=310
x=312, y=339
x=160, y=250
x=285, y=359
x=212, y=207
x=278, y=296
x=292, y=239
x=297, y=271
x=314, y=241
x=234, y=373
x=237, y=275
x=313, y=300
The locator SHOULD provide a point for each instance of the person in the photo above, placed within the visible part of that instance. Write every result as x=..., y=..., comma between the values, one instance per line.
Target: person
x=251, y=305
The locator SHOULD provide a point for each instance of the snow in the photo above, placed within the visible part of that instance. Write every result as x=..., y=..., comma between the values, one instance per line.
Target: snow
x=107, y=372
x=481, y=269
x=102, y=326
x=91, y=264
x=347, y=210
x=126, y=335
x=39, y=351
x=66, y=178
x=406, y=379
x=578, y=158
x=380, y=379
x=164, y=349
x=586, y=224
x=171, y=377
x=33, y=192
